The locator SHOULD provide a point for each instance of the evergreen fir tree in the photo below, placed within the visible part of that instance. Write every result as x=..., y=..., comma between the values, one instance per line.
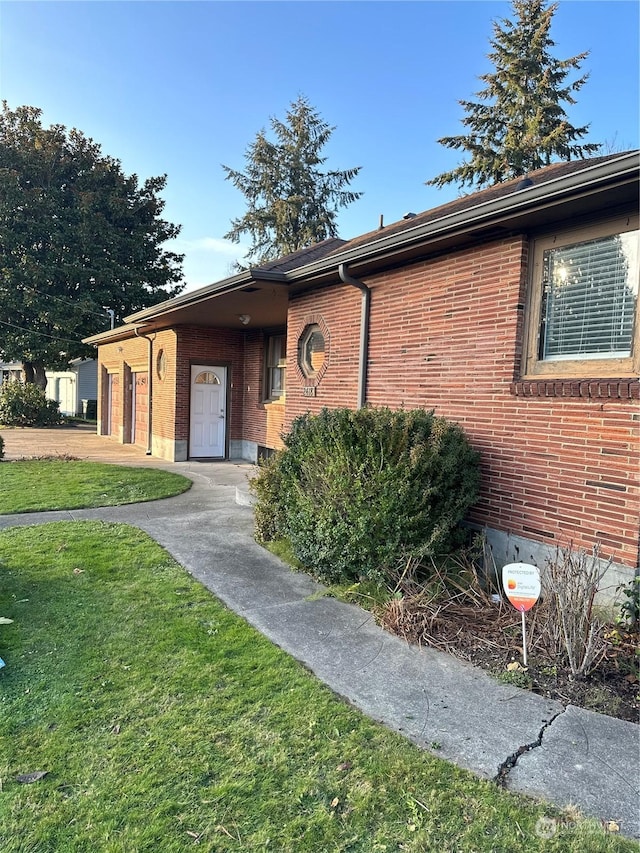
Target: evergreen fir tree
x=519, y=124
x=292, y=202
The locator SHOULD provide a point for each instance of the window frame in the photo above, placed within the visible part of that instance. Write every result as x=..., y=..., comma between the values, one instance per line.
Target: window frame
x=270, y=395
x=304, y=363
x=536, y=368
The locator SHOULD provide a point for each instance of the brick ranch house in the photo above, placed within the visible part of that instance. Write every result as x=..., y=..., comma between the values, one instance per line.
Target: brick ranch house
x=513, y=311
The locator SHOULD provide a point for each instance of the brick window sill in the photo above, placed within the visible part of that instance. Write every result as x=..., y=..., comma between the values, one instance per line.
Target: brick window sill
x=607, y=389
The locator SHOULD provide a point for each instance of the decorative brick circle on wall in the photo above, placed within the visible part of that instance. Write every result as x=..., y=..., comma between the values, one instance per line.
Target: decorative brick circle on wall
x=309, y=321
x=161, y=364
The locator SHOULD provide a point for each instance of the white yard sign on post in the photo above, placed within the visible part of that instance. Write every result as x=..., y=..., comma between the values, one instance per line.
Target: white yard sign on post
x=521, y=583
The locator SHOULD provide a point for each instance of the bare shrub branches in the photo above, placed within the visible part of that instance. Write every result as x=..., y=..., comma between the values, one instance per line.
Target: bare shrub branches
x=570, y=625
x=460, y=610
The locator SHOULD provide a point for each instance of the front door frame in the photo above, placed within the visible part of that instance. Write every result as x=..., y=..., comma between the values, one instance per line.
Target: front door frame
x=223, y=365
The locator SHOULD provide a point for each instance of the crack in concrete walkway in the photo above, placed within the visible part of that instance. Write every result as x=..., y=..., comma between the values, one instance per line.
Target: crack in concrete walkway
x=501, y=777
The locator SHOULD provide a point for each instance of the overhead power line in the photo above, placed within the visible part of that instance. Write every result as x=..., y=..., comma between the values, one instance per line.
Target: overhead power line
x=62, y=299
x=41, y=334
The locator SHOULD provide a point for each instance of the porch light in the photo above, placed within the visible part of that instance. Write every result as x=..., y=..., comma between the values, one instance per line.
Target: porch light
x=245, y=319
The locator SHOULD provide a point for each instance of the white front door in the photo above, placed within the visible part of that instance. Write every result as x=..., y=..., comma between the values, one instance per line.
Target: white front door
x=208, y=410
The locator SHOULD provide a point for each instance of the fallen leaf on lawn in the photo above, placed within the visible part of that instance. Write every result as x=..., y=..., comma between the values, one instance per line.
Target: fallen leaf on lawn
x=78, y=571
x=516, y=666
x=334, y=802
x=346, y=765
x=611, y=826
x=631, y=678
x=28, y=778
x=115, y=730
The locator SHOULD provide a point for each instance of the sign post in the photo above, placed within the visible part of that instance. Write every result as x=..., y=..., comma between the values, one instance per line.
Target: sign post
x=521, y=583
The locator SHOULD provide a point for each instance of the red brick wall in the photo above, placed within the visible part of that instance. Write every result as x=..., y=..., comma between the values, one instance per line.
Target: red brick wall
x=446, y=334
x=263, y=420
x=116, y=359
x=254, y=413
x=241, y=352
x=223, y=347
x=164, y=385
x=128, y=357
x=338, y=308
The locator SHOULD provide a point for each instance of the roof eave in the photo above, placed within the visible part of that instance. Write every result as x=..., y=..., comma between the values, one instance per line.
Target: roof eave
x=388, y=249
x=533, y=197
x=120, y=333
x=227, y=285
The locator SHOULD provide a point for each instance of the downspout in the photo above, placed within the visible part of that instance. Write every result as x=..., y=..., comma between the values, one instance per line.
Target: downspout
x=364, y=331
x=150, y=381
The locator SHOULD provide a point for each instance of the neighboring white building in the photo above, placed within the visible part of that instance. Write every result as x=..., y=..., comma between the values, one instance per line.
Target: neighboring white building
x=70, y=387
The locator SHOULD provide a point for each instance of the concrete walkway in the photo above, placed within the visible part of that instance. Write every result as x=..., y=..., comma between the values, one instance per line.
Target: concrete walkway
x=568, y=756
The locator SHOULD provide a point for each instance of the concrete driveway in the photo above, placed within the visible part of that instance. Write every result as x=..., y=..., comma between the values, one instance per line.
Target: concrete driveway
x=78, y=440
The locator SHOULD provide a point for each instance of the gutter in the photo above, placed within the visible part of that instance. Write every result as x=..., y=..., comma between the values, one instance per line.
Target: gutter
x=111, y=335
x=139, y=334
x=364, y=331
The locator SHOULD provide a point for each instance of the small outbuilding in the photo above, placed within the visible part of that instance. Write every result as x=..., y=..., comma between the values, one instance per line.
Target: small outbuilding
x=75, y=389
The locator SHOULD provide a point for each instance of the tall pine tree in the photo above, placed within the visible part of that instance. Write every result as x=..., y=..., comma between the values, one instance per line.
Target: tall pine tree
x=519, y=123
x=292, y=202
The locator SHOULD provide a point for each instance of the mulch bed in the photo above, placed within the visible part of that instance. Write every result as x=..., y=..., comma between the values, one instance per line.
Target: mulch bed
x=488, y=634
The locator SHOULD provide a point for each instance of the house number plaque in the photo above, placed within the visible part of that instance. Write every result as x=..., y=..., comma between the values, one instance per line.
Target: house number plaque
x=309, y=391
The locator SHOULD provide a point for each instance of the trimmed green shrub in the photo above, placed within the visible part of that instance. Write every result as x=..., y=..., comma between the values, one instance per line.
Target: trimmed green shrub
x=26, y=405
x=269, y=486
x=359, y=492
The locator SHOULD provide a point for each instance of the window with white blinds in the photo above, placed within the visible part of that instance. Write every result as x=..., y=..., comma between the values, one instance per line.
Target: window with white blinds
x=589, y=298
x=583, y=310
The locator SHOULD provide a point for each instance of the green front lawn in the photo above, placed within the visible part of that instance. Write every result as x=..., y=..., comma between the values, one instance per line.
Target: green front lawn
x=165, y=723
x=39, y=485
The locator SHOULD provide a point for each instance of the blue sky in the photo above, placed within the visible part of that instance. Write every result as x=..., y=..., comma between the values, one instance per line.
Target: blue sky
x=183, y=87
